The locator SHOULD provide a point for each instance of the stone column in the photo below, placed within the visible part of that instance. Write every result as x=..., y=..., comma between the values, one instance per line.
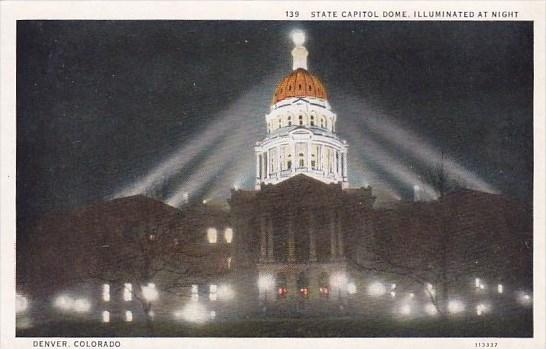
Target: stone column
x=319, y=157
x=308, y=156
x=312, y=242
x=266, y=163
x=270, y=255
x=291, y=239
x=278, y=161
x=294, y=157
x=332, y=226
x=257, y=166
x=263, y=241
x=345, y=165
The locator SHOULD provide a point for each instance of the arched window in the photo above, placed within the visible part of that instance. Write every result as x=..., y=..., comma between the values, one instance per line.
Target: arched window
x=303, y=285
x=324, y=285
x=281, y=285
x=302, y=161
x=322, y=122
x=301, y=120
x=280, y=123
x=228, y=235
x=289, y=121
x=212, y=235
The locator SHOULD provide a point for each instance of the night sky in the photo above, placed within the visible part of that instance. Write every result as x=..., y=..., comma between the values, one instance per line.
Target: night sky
x=113, y=108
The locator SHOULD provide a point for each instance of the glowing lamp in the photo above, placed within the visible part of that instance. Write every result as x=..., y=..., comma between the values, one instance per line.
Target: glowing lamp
x=405, y=310
x=225, y=292
x=351, y=288
x=149, y=292
x=82, y=305
x=266, y=282
x=64, y=302
x=193, y=312
x=455, y=306
x=430, y=309
x=377, y=289
x=21, y=304
x=338, y=280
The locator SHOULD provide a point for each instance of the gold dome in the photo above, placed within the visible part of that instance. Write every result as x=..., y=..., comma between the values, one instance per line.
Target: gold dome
x=299, y=83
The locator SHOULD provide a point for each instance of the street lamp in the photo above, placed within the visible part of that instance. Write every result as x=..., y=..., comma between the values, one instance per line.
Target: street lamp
x=149, y=292
x=21, y=304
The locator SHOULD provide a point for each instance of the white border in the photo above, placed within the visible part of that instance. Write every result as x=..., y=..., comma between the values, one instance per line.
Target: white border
x=11, y=11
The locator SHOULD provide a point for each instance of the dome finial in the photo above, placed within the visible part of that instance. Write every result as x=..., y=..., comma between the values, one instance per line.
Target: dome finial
x=299, y=53
x=298, y=37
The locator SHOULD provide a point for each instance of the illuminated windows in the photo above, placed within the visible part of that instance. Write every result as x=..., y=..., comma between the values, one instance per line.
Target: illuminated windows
x=105, y=316
x=195, y=293
x=500, y=288
x=228, y=235
x=128, y=292
x=106, y=292
x=281, y=285
x=213, y=295
x=324, y=283
x=128, y=316
x=212, y=235
x=228, y=262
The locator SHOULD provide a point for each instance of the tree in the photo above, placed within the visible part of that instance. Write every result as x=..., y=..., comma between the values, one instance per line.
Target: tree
x=151, y=255
x=435, y=244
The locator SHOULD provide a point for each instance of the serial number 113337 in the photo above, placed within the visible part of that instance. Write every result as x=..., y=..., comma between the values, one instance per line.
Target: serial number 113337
x=486, y=344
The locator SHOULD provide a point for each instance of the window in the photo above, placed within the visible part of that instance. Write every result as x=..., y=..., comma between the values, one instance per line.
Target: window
x=105, y=316
x=303, y=285
x=228, y=262
x=106, y=292
x=324, y=283
x=322, y=122
x=128, y=292
x=228, y=235
x=282, y=289
x=128, y=316
x=500, y=288
x=195, y=293
x=302, y=163
x=312, y=120
x=213, y=295
x=313, y=164
x=289, y=121
x=289, y=164
x=212, y=235
x=280, y=123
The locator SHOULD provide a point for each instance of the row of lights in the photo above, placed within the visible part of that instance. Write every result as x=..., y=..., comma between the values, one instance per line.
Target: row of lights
x=338, y=280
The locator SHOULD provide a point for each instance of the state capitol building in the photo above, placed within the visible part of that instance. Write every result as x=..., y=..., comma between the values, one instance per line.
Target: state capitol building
x=301, y=242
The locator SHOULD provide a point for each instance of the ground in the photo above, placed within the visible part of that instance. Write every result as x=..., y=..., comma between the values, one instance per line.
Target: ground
x=515, y=326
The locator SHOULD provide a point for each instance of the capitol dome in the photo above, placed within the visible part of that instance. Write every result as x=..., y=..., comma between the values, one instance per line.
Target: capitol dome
x=299, y=83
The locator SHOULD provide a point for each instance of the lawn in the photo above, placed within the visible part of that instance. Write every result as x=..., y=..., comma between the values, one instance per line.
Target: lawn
x=515, y=326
